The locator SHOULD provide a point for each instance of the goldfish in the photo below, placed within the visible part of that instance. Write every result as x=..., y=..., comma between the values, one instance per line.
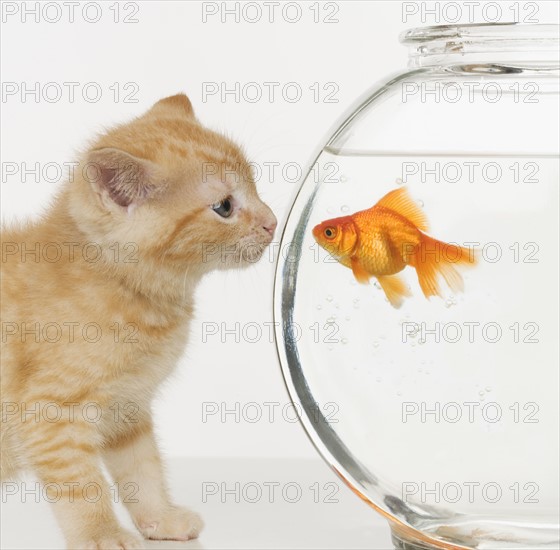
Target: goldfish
x=382, y=240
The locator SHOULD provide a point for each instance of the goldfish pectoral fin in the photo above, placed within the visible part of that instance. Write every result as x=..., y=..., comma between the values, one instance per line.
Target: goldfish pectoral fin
x=362, y=276
x=400, y=202
x=395, y=289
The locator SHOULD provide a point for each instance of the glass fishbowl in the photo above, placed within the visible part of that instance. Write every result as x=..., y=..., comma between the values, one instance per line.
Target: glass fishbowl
x=430, y=384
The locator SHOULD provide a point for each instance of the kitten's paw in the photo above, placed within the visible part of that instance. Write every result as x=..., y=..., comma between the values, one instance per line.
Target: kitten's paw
x=176, y=523
x=110, y=540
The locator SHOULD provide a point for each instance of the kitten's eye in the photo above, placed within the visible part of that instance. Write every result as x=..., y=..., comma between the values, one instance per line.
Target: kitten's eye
x=223, y=208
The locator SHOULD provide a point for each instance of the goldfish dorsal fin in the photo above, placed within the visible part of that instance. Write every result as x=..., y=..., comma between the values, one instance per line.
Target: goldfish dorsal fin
x=400, y=202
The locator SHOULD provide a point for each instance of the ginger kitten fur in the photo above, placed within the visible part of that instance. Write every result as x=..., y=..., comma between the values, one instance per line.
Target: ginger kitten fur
x=101, y=315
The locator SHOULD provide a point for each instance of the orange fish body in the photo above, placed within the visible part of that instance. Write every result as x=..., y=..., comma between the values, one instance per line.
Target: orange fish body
x=381, y=241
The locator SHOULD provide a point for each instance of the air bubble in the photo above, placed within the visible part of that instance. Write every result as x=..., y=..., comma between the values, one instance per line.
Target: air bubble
x=375, y=344
x=329, y=298
x=451, y=301
x=344, y=208
x=399, y=393
x=481, y=393
x=414, y=332
x=488, y=388
x=343, y=178
x=331, y=320
x=344, y=341
x=399, y=181
x=319, y=306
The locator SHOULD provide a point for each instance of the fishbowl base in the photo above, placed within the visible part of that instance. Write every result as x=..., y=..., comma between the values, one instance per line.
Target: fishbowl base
x=402, y=542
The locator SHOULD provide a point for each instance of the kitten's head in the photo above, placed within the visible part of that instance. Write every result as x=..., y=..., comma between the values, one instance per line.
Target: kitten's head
x=185, y=195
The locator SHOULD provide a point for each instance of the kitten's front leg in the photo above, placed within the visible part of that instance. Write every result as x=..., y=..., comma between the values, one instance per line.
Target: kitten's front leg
x=66, y=458
x=135, y=464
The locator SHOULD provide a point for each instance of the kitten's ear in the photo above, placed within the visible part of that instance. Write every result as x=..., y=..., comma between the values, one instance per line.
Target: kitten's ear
x=121, y=177
x=178, y=104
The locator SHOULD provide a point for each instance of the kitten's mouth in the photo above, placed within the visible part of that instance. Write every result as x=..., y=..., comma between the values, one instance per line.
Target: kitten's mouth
x=236, y=256
x=253, y=252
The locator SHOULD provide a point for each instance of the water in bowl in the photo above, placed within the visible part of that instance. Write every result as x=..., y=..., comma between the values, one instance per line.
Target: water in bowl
x=442, y=413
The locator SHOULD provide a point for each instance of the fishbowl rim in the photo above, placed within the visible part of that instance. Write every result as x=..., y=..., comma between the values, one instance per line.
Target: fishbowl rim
x=511, y=30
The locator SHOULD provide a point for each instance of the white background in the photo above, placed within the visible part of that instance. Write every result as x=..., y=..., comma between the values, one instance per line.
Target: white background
x=171, y=49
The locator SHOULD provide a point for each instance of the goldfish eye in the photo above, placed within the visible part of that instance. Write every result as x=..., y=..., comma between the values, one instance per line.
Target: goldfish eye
x=330, y=232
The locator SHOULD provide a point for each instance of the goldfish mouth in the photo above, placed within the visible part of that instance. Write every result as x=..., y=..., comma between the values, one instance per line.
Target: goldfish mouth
x=317, y=232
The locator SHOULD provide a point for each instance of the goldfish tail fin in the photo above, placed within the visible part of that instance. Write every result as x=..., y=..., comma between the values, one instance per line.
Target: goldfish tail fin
x=395, y=289
x=399, y=201
x=435, y=260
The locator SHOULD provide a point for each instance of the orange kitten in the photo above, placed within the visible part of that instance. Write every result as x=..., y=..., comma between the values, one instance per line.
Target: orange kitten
x=96, y=303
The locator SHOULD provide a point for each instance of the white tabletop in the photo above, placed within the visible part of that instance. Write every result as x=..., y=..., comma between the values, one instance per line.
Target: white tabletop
x=310, y=508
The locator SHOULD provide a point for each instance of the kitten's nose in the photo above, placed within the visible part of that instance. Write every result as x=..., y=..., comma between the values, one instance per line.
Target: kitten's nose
x=270, y=224
x=270, y=227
